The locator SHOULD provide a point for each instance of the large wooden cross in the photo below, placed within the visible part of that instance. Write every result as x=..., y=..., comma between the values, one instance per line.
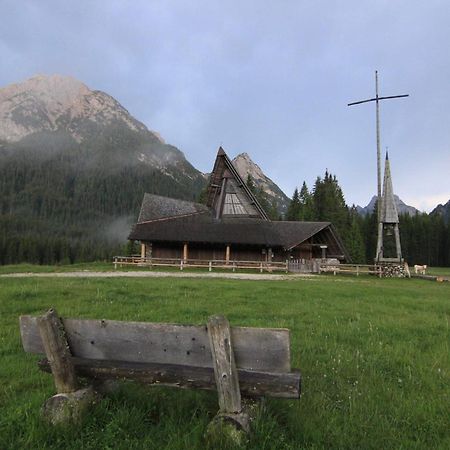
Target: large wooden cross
x=377, y=99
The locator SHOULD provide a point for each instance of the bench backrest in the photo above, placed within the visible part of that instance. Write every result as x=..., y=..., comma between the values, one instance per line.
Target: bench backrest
x=260, y=349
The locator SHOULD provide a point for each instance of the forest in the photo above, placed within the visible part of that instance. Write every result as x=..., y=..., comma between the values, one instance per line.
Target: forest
x=65, y=208
x=425, y=238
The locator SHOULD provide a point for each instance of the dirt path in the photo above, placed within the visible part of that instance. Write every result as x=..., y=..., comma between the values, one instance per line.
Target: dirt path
x=91, y=274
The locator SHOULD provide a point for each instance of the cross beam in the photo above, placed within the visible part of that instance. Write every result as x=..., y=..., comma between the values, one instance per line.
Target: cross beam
x=378, y=98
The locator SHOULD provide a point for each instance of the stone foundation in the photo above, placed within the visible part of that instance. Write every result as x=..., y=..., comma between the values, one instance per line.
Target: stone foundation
x=393, y=270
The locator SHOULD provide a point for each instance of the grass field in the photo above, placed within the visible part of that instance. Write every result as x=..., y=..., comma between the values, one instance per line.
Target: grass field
x=374, y=355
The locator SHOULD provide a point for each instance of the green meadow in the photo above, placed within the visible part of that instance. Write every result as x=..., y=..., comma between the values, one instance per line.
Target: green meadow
x=374, y=357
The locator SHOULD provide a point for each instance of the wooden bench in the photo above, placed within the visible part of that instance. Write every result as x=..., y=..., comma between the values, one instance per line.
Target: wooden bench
x=235, y=361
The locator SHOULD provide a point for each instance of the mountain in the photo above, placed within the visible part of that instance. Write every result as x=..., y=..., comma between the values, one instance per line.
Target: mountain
x=49, y=111
x=245, y=166
x=442, y=210
x=74, y=166
x=402, y=208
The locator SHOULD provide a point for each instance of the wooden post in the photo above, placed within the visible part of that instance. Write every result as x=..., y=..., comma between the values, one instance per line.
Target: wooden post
x=70, y=402
x=185, y=252
x=210, y=266
x=224, y=366
x=227, y=255
x=226, y=376
x=143, y=250
x=57, y=351
x=181, y=264
x=115, y=262
x=269, y=259
x=261, y=267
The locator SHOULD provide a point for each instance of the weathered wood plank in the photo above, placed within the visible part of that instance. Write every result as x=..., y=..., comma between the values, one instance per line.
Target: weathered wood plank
x=251, y=383
x=261, y=349
x=54, y=341
x=225, y=372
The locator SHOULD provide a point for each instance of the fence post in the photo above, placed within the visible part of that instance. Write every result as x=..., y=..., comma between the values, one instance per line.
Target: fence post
x=210, y=266
x=261, y=268
x=357, y=271
x=234, y=266
x=115, y=262
x=181, y=264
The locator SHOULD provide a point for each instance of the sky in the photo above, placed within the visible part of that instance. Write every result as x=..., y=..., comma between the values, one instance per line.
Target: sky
x=270, y=78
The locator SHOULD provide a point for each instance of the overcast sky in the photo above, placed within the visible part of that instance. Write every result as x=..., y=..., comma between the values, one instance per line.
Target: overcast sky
x=270, y=78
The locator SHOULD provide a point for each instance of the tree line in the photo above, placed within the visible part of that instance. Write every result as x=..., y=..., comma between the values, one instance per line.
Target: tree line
x=63, y=207
x=425, y=238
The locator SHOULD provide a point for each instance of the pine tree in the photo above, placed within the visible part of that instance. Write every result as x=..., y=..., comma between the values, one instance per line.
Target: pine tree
x=293, y=212
x=306, y=210
x=250, y=184
x=329, y=203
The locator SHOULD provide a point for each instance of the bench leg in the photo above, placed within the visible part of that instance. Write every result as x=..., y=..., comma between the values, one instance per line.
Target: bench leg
x=68, y=407
x=71, y=401
x=231, y=423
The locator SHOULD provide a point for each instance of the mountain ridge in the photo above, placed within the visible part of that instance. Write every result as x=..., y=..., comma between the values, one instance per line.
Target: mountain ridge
x=44, y=108
x=442, y=210
x=402, y=207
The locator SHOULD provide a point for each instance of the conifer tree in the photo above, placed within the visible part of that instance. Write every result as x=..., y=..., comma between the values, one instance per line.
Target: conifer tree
x=250, y=184
x=329, y=203
x=306, y=210
x=293, y=212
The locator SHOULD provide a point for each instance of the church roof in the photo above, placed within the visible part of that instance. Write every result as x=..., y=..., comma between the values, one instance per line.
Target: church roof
x=228, y=195
x=203, y=227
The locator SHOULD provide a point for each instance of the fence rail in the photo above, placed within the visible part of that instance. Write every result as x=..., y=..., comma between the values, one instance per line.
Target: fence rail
x=355, y=269
x=136, y=260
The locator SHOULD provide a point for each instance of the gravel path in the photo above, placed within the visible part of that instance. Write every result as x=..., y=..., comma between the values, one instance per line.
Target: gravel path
x=131, y=274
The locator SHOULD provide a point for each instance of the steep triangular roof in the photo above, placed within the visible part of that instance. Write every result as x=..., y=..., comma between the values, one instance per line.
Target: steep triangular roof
x=389, y=212
x=228, y=195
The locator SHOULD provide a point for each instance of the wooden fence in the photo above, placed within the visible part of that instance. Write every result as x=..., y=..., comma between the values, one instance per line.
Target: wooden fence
x=353, y=269
x=120, y=261
x=304, y=266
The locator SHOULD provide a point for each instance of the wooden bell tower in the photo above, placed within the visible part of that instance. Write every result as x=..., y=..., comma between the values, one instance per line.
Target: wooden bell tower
x=388, y=222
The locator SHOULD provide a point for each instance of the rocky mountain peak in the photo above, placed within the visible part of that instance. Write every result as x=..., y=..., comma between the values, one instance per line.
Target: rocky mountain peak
x=46, y=103
x=245, y=166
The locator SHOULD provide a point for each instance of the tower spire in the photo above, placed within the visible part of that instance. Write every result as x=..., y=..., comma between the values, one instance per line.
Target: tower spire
x=388, y=217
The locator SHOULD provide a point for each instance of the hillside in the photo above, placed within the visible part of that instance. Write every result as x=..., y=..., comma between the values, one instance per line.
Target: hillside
x=74, y=165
